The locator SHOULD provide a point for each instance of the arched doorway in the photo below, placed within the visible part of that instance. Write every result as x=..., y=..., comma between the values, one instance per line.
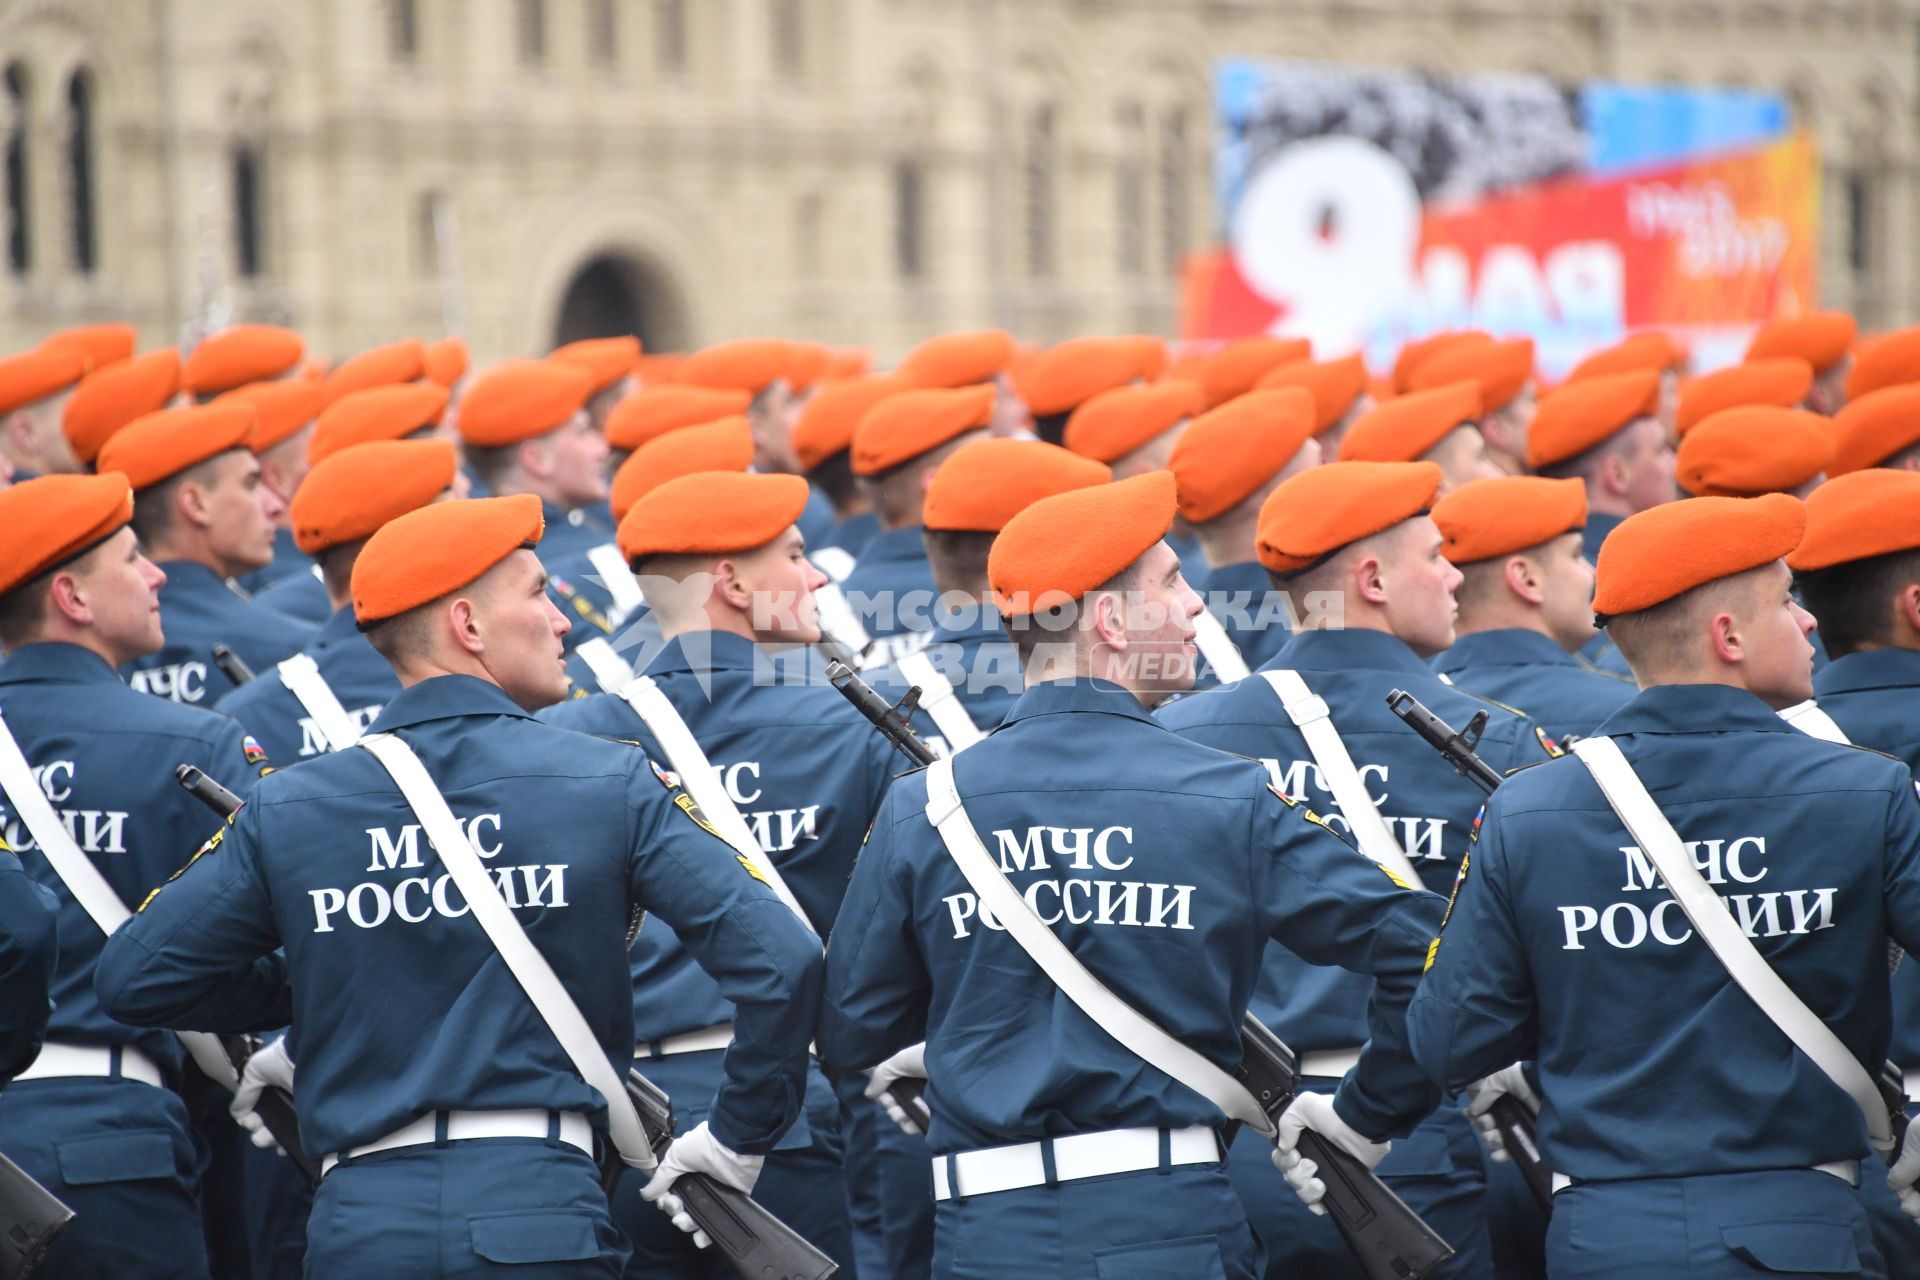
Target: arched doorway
x=613, y=293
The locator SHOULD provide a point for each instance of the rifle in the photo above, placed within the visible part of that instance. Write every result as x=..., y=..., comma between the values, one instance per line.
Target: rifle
x=233, y=667
x=275, y=1107
x=31, y=1219
x=1389, y=1240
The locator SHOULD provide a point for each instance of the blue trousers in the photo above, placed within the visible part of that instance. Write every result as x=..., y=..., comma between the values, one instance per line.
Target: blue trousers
x=1732, y=1226
x=802, y=1182
x=1436, y=1169
x=1185, y=1223
x=906, y=1199
x=278, y=1199
x=860, y=1121
x=122, y=1157
x=485, y=1209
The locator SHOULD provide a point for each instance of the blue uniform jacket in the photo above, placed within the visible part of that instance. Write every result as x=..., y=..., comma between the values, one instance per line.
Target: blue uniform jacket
x=974, y=653
x=28, y=950
x=1429, y=808
x=362, y=680
x=577, y=589
x=854, y=533
x=106, y=757
x=400, y=1003
x=199, y=610
x=301, y=596
x=565, y=536
x=816, y=518
x=804, y=768
x=1164, y=866
x=1527, y=670
x=1562, y=944
x=288, y=560
x=891, y=587
x=1253, y=613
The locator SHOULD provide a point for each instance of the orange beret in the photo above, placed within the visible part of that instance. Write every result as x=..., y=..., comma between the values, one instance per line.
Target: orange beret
x=1064, y=546
x=1115, y=423
x=1869, y=430
x=404, y=361
x=808, y=364
x=245, y=353
x=1316, y=513
x=902, y=427
x=1782, y=381
x=726, y=445
x=1333, y=384
x=1656, y=555
x=280, y=408
x=353, y=492
x=849, y=362
x=52, y=519
x=1885, y=360
x=432, y=551
x=445, y=360
x=654, y=411
x=1858, y=516
x=34, y=375
x=1150, y=355
x=1821, y=338
x=108, y=399
x=100, y=344
x=519, y=400
x=1227, y=453
x=711, y=513
x=654, y=368
x=1188, y=366
x=1753, y=449
x=1499, y=516
x=1064, y=377
x=825, y=426
x=1407, y=426
x=604, y=360
x=1501, y=369
x=749, y=364
x=1648, y=349
x=1420, y=350
x=151, y=448
x=987, y=482
x=1238, y=365
x=378, y=413
x=958, y=359
x=1581, y=414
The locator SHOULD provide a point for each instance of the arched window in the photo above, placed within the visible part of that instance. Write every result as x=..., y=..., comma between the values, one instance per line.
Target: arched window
x=249, y=199
x=19, y=126
x=1039, y=192
x=80, y=168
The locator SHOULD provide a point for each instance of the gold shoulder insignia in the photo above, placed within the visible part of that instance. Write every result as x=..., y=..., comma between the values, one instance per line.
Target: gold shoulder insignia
x=1547, y=744
x=213, y=842
x=1283, y=797
x=691, y=807
x=1433, y=948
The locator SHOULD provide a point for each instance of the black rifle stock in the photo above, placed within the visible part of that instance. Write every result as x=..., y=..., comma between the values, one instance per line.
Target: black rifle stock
x=275, y=1105
x=31, y=1219
x=231, y=665
x=1387, y=1238
x=753, y=1240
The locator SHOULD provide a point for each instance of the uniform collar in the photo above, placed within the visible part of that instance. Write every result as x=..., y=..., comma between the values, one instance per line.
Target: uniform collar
x=1346, y=650
x=339, y=626
x=445, y=698
x=1080, y=693
x=1599, y=525
x=52, y=662
x=1505, y=647
x=1694, y=708
x=1875, y=669
x=191, y=575
x=985, y=625
x=895, y=545
x=703, y=651
x=1245, y=573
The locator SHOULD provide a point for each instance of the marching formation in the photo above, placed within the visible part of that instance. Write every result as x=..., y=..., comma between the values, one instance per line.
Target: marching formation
x=1091, y=811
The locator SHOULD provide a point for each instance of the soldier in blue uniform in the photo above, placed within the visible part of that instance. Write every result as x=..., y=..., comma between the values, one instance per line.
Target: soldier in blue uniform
x=524, y=429
x=96, y=1117
x=897, y=446
x=1526, y=601
x=284, y=415
x=28, y=950
x=35, y=388
x=203, y=516
x=774, y=373
x=1360, y=532
x=456, y=1135
x=1690, y=1136
x=823, y=447
x=609, y=364
x=1226, y=463
x=1096, y=812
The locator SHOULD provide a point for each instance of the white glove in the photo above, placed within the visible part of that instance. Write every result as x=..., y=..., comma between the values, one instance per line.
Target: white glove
x=1507, y=1082
x=698, y=1151
x=269, y=1066
x=1315, y=1111
x=908, y=1064
x=1906, y=1171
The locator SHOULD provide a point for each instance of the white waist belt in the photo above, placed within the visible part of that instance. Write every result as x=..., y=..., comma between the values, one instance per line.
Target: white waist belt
x=463, y=1125
x=1848, y=1171
x=1082, y=1155
x=57, y=1060
x=1330, y=1064
x=702, y=1041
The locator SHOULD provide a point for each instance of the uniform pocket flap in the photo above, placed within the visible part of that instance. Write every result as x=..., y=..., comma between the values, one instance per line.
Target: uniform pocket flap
x=118, y=1157
x=1421, y=1154
x=1190, y=1258
x=1822, y=1248
x=535, y=1235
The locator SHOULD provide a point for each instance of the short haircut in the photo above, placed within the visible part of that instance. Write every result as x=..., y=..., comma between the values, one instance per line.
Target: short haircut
x=834, y=477
x=402, y=634
x=491, y=463
x=958, y=558
x=1061, y=624
x=1854, y=601
x=153, y=505
x=23, y=611
x=336, y=567
x=1053, y=427
x=1656, y=639
x=1586, y=464
x=1482, y=582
